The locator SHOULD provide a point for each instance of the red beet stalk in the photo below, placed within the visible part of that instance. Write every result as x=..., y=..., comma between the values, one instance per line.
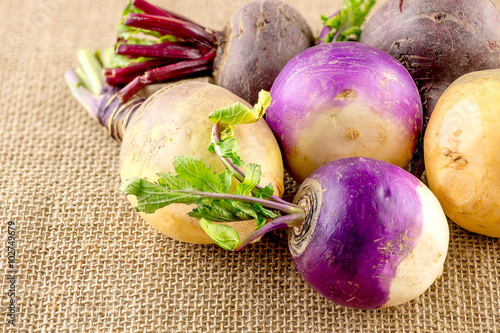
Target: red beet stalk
x=164, y=50
x=165, y=73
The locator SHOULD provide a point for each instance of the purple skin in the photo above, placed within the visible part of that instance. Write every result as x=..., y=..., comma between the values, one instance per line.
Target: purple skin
x=350, y=204
x=330, y=77
x=256, y=44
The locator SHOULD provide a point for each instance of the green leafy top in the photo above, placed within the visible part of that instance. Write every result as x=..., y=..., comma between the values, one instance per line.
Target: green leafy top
x=194, y=182
x=346, y=25
x=110, y=59
x=131, y=35
x=238, y=113
x=126, y=32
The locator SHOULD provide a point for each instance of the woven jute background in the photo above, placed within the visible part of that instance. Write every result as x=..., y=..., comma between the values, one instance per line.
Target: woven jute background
x=85, y=261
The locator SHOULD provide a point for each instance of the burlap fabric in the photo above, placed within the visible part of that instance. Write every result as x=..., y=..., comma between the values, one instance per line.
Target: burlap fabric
x=86, y=262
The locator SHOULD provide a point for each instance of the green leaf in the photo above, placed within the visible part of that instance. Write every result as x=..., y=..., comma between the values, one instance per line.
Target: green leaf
x=248, y=209
x=226, y=179
x=227, y=132
x=228, y=148
x=199, y=175
x=219, y=211
x=172, y=182
x=110, y=59
x=346, y=25
x=90, y=72
x=125, y=32
x=252, y=179
x=238, y=113
x=223, y=235
x=131, y=9
x=265, y=192
x=266, y=213
x=151, y=196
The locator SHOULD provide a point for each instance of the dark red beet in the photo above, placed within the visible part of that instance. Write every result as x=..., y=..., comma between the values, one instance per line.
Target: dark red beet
x=437, y=41
x=256, y=44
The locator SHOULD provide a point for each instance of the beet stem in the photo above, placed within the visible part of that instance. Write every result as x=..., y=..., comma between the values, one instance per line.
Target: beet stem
x=123, y=75
x=235, y=170
x=168, y=72
x=170, y=26
x=282, y=222
x=162, y=51
x=148, y=8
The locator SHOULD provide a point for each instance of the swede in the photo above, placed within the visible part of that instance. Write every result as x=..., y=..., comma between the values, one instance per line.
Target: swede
x=173, y=121
x=461, y=150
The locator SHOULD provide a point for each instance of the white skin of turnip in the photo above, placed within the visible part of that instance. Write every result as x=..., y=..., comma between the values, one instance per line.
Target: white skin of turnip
x=174, y=122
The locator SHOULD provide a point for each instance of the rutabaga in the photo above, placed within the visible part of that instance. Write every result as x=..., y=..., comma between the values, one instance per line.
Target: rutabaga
x=172, y=122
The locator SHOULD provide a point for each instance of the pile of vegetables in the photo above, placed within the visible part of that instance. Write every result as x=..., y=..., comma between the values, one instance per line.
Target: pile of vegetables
x=352, y=100
x=437, y=42
x=346, y=116
x=364, y=233
x=155, y=45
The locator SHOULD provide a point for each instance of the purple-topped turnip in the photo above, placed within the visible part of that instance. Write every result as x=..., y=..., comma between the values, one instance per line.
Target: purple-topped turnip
x=344, y=99
x=261, y=37
x=374, y=236
x=363, y=232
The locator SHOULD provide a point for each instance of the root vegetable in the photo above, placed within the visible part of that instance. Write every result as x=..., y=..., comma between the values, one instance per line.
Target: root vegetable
x=340, y=100
x=374, y=236
x=261, y=37
x=461, y=147
x=173, y=121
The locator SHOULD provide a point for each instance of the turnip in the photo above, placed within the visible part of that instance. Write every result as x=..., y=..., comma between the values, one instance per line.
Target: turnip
x=437, y=42
x=363, y=232
x=173, y=121
x=261, y=37
x=344, y=99
x=461, y=149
